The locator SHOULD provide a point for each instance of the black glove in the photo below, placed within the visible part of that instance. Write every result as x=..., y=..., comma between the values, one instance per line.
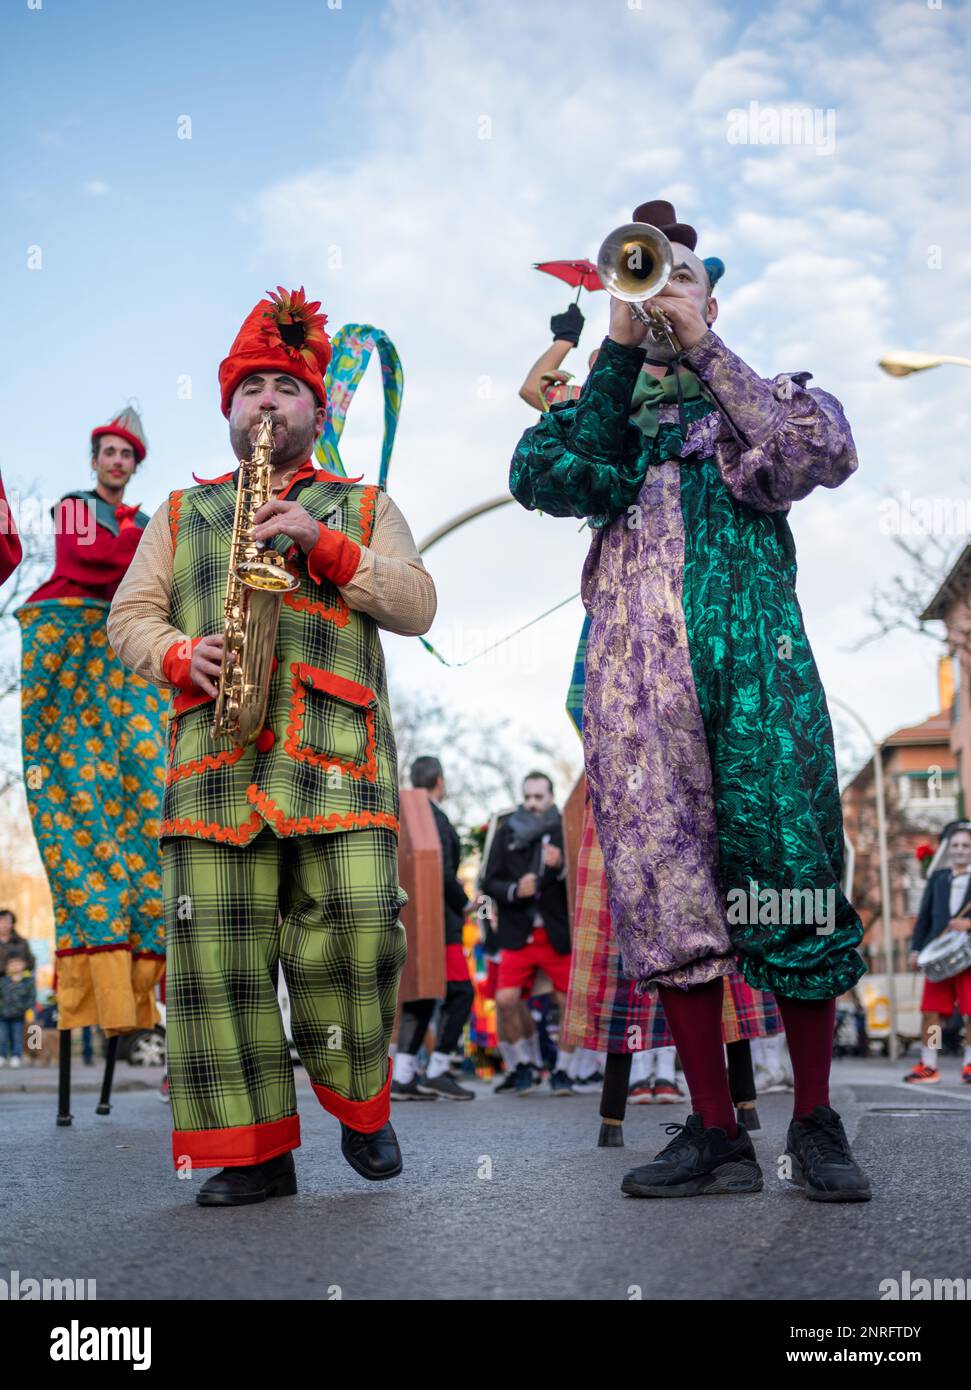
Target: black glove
x=567, y=327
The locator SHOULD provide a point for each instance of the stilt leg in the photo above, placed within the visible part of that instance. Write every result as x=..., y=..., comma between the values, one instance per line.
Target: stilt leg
x=613, y=1100
x=64, y=1116
x=741, y=1082
x=104, y=1104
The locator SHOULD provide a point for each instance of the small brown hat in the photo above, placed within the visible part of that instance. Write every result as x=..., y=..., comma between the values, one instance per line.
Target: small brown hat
x=663, y=216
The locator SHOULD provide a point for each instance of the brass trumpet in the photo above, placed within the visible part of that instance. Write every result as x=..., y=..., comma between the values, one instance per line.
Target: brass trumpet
x=634, y=264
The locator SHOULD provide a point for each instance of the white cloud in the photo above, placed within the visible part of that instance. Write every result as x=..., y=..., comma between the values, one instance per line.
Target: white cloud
x=827, y=267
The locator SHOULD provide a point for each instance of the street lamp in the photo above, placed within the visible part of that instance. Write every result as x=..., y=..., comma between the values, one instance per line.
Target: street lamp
x=886, y=916
x=905, y=363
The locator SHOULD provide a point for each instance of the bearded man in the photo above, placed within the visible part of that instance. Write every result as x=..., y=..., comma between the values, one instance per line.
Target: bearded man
x=281, y=852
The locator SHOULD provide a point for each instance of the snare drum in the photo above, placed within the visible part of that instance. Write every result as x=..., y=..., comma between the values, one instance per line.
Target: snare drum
x=948, y=955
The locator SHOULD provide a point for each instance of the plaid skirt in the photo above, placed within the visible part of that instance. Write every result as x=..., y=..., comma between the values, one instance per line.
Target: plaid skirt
x=603, y=1010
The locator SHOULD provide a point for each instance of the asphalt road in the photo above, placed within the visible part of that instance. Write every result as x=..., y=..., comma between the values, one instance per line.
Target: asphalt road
x=500, y=1199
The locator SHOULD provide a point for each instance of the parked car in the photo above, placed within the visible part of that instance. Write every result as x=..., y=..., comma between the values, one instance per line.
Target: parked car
x=146, y=1047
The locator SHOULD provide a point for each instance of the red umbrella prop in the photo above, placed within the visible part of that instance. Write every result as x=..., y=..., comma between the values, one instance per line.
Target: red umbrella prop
x=583, y=274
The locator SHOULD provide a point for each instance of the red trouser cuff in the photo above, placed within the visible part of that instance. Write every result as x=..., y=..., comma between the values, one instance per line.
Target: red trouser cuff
x=365, y=1116
x=232, y=1148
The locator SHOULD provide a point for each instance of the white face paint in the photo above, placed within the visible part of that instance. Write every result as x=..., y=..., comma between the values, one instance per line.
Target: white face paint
x=959, y=850
x=688, y=279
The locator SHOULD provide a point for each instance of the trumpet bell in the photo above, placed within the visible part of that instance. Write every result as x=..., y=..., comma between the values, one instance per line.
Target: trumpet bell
x=635, y=262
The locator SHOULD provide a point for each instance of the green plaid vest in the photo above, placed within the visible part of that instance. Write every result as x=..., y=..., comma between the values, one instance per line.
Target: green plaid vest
x=332, y=763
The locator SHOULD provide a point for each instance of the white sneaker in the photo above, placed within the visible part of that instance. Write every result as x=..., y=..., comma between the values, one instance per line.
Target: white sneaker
x=15, y=1061
x=3, y=1061
x=776, y=1081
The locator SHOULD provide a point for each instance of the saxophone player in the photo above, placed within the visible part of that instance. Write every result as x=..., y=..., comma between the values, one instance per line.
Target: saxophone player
x=281, y=852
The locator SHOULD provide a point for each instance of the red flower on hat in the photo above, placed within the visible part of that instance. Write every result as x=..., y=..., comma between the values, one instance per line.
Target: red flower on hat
x=295, y=325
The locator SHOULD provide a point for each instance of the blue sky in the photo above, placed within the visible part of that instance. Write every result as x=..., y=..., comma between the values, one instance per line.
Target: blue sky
x=408, y=162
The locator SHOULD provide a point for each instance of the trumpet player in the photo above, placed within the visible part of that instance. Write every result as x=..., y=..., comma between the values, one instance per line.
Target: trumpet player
x=280, y=852
x=707, y=741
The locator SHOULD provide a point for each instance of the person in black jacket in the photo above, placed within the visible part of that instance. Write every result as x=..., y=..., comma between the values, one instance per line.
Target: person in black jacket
x=526, y=878
x=406, y=1084
x=947, y=893
x=12, y=943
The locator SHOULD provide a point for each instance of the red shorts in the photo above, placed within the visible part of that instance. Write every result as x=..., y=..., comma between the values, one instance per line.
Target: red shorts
x=939, y=995
x=491, y=980
x=517, y=969
x=456, y=969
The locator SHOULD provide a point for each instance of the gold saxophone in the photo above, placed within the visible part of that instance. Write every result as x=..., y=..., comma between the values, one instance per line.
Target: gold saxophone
x=254, y=594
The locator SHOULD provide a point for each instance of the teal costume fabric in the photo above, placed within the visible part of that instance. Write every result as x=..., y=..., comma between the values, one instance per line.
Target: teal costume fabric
x=707, y=740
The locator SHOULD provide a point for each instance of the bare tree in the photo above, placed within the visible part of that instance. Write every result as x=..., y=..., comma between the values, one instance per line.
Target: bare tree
x=895, y=606
x=484, y=760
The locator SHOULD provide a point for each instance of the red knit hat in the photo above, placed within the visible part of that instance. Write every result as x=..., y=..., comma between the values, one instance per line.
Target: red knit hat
x=282, y=333
x=127, y=423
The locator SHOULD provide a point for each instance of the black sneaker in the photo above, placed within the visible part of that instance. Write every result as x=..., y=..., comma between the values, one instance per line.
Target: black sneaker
x=408, y=1090
x=560, y=1084
x=822, y=1163
x=524, y=1079
x=507, y=1085
x=698, y=1162
x=444, y=1085
x=589, y=1085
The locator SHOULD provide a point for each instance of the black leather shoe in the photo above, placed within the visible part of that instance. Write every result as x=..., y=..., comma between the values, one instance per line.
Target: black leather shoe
x=698, y=1162
x=253, y=1182
x=374, y=1156
x=822, y=1163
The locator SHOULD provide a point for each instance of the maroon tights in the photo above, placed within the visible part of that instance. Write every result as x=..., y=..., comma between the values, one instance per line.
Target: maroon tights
x=694, y=1017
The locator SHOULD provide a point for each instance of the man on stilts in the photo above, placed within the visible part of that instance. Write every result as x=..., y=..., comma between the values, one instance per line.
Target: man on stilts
x=282, y=852
x=94, y=753
x=707, y=741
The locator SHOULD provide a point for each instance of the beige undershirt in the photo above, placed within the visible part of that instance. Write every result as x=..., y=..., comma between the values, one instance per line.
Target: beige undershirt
x=390, y=583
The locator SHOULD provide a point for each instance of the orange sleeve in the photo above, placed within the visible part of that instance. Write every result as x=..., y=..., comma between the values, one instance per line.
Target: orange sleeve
x=176, y=661
x=335, y=557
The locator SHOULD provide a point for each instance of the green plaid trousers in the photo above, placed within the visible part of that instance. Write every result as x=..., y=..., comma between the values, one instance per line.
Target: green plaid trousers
x=325, y=909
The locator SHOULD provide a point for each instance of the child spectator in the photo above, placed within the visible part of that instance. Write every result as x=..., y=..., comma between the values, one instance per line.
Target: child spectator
x=17, y=995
